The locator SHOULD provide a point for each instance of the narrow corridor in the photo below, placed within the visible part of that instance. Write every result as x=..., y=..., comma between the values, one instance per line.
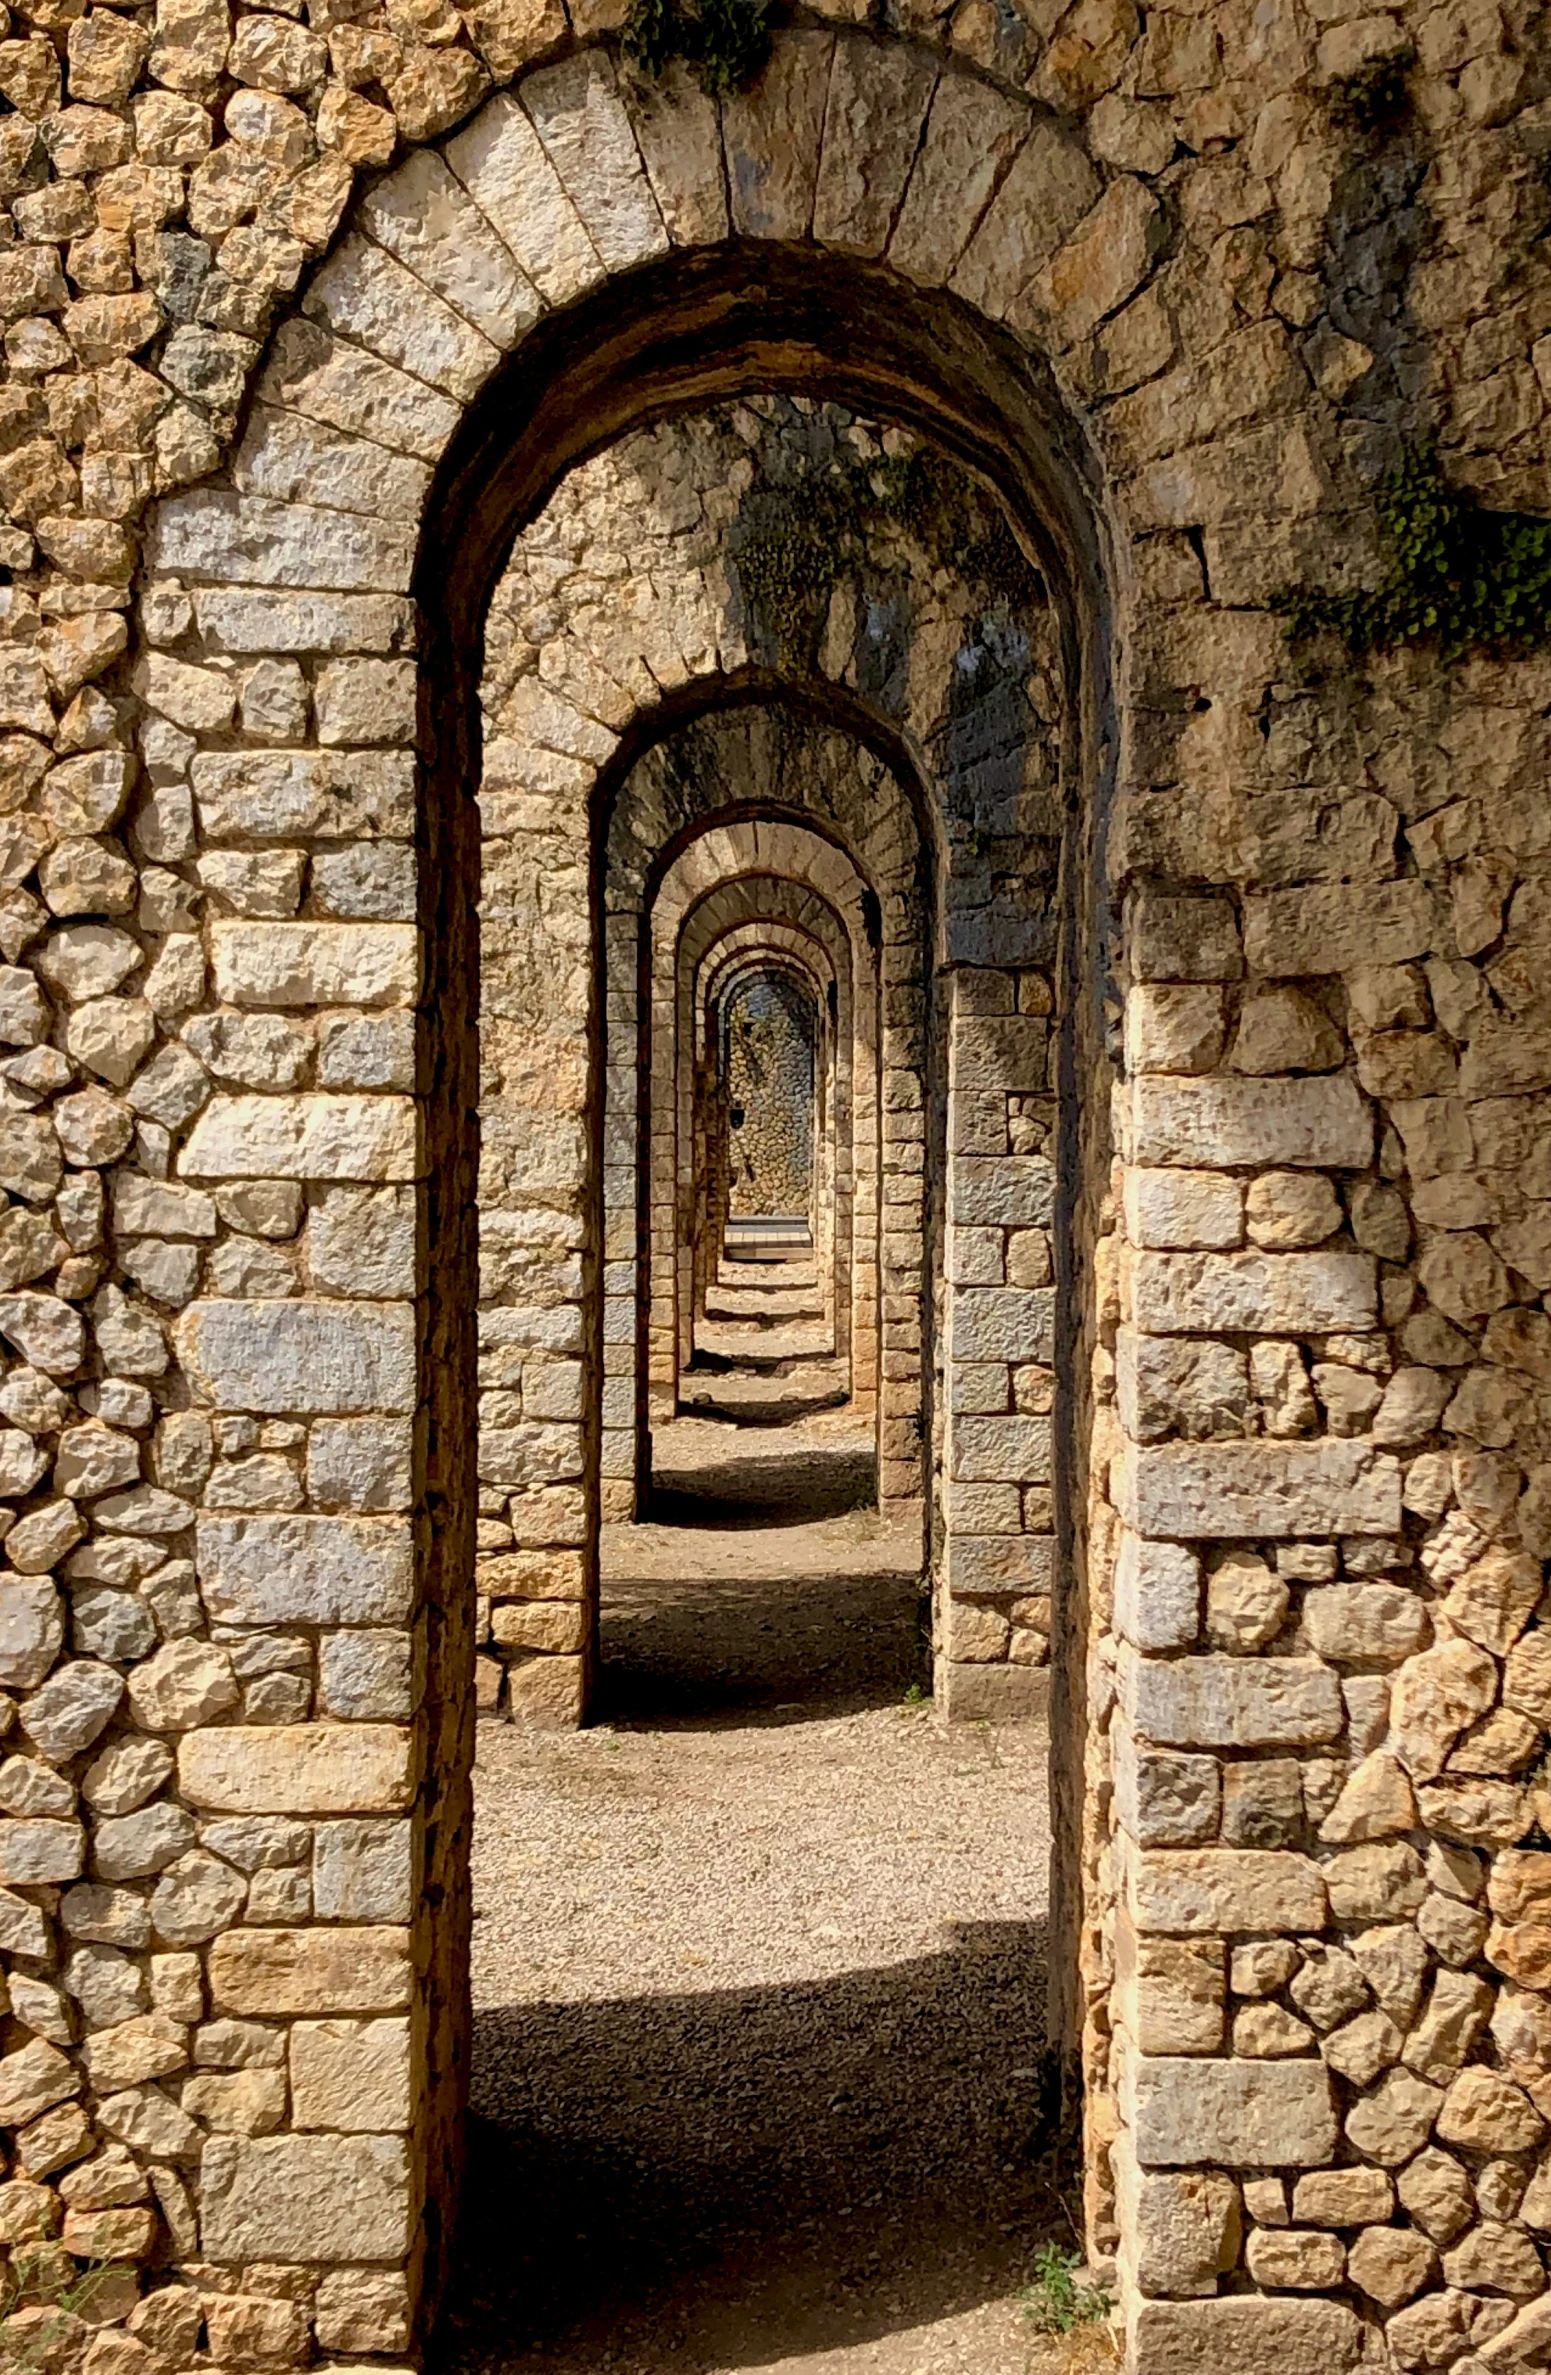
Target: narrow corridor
x=759, y=1958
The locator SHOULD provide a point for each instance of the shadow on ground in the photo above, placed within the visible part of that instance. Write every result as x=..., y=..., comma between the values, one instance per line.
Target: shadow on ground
x=677, y=2182
x=753, y=1651
x=799, y=1487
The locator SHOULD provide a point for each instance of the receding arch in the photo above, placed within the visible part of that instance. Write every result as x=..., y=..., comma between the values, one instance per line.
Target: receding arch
x=651, y=342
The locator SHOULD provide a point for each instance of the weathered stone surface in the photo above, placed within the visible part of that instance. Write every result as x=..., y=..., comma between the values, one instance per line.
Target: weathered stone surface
x=305, y=2199
x=1157, y=1594
x=315, y=1570
x=1229, y=1702
x=1291, y=2337
x=1242, y=2114
x=1363, y=1622
x=303, y=1137
x=315, y=964
x=297, y=1769
x=274, y=1972
x=1213, y=1890
x=351, y=2075
x=322, y=1358
x=1321, y=1122
x=972, y=133
x=1180, y=1492
x=1250, y=1293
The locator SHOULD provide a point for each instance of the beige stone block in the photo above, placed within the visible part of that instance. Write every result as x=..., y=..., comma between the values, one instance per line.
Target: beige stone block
x=877, y=102
x=362, y=2309
x=553, y=1625
x=534, y=1574
x=678, y=130
x=351, y=2074
x=1157, y=1594
x=1180, y=2230
x=1180, y=1385
x=237, y=2102
x=1379, y=1881
x=1007, y=1450
x=250, y=620
x=305, y=2199
x=1268, y=1294
x=1171, y=1993
x=321, y=1359
x=315, y=964
x=1246, y=1604
x=250, y=2330
x=987, y=1565
x=296, y=459
x=548, y=1693
x=1239, y=2114
x=1048, y=188
x=1319, y=1123
x=298, y=1769
x=1180, y=1210
x=251, y=540
x=365, y=295
x=274, y=1974
x=1325, y=927
x=1182, y=1492
x=1436, y=1696
x=1376, y=1802
x=323, y=1136
x=1203, y=1891
x=972, y=133
x=1343, y=2198
x=424, y=217
x=1231, y=1702
x=306, y=1570
x=1249, y=2335
x=771, y=134
x=1288, y=2260
x=1011, y=1694
x=1366, y=1621
x=1173, y=1026
x=283, y=795
x=1486, y=2112
x=576, y=110
x=501, y=161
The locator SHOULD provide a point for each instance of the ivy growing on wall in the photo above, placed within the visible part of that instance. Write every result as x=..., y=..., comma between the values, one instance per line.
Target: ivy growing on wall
x=1467, y=579
x=724, y=43
x=788, y=566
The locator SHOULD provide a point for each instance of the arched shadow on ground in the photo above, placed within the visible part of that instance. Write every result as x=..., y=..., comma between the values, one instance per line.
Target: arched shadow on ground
x=793, y=1488
x=665, y=2184
x=759, y=1650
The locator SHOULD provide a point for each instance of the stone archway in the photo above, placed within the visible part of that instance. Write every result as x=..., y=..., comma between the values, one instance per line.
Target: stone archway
x=543, y=1451
x=590, y=230
x=819, y=959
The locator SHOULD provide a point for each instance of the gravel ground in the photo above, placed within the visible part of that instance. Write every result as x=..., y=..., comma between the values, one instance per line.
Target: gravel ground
x=758, y=1966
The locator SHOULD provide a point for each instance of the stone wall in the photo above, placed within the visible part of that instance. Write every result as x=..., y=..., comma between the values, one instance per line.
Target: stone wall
x=769, y=1030
x=1180, y=286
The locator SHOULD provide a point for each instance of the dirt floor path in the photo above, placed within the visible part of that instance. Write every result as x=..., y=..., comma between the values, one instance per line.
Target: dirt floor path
x=758, y=1959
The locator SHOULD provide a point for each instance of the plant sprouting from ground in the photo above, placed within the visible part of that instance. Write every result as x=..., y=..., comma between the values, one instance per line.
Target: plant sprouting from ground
x=1055, y=2302
x=1467, y=579
x=724, y=43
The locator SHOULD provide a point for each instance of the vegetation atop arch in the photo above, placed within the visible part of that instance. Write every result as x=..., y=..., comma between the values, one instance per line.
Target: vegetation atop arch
x=724, y=43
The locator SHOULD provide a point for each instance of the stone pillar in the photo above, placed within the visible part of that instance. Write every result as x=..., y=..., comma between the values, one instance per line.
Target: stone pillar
x=993, y=1615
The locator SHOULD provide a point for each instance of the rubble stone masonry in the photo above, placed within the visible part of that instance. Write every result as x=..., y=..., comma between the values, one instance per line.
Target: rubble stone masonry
x=1223, y=1206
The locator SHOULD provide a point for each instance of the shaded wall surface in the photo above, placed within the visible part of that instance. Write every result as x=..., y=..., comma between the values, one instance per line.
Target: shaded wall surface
x=769, y=1090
